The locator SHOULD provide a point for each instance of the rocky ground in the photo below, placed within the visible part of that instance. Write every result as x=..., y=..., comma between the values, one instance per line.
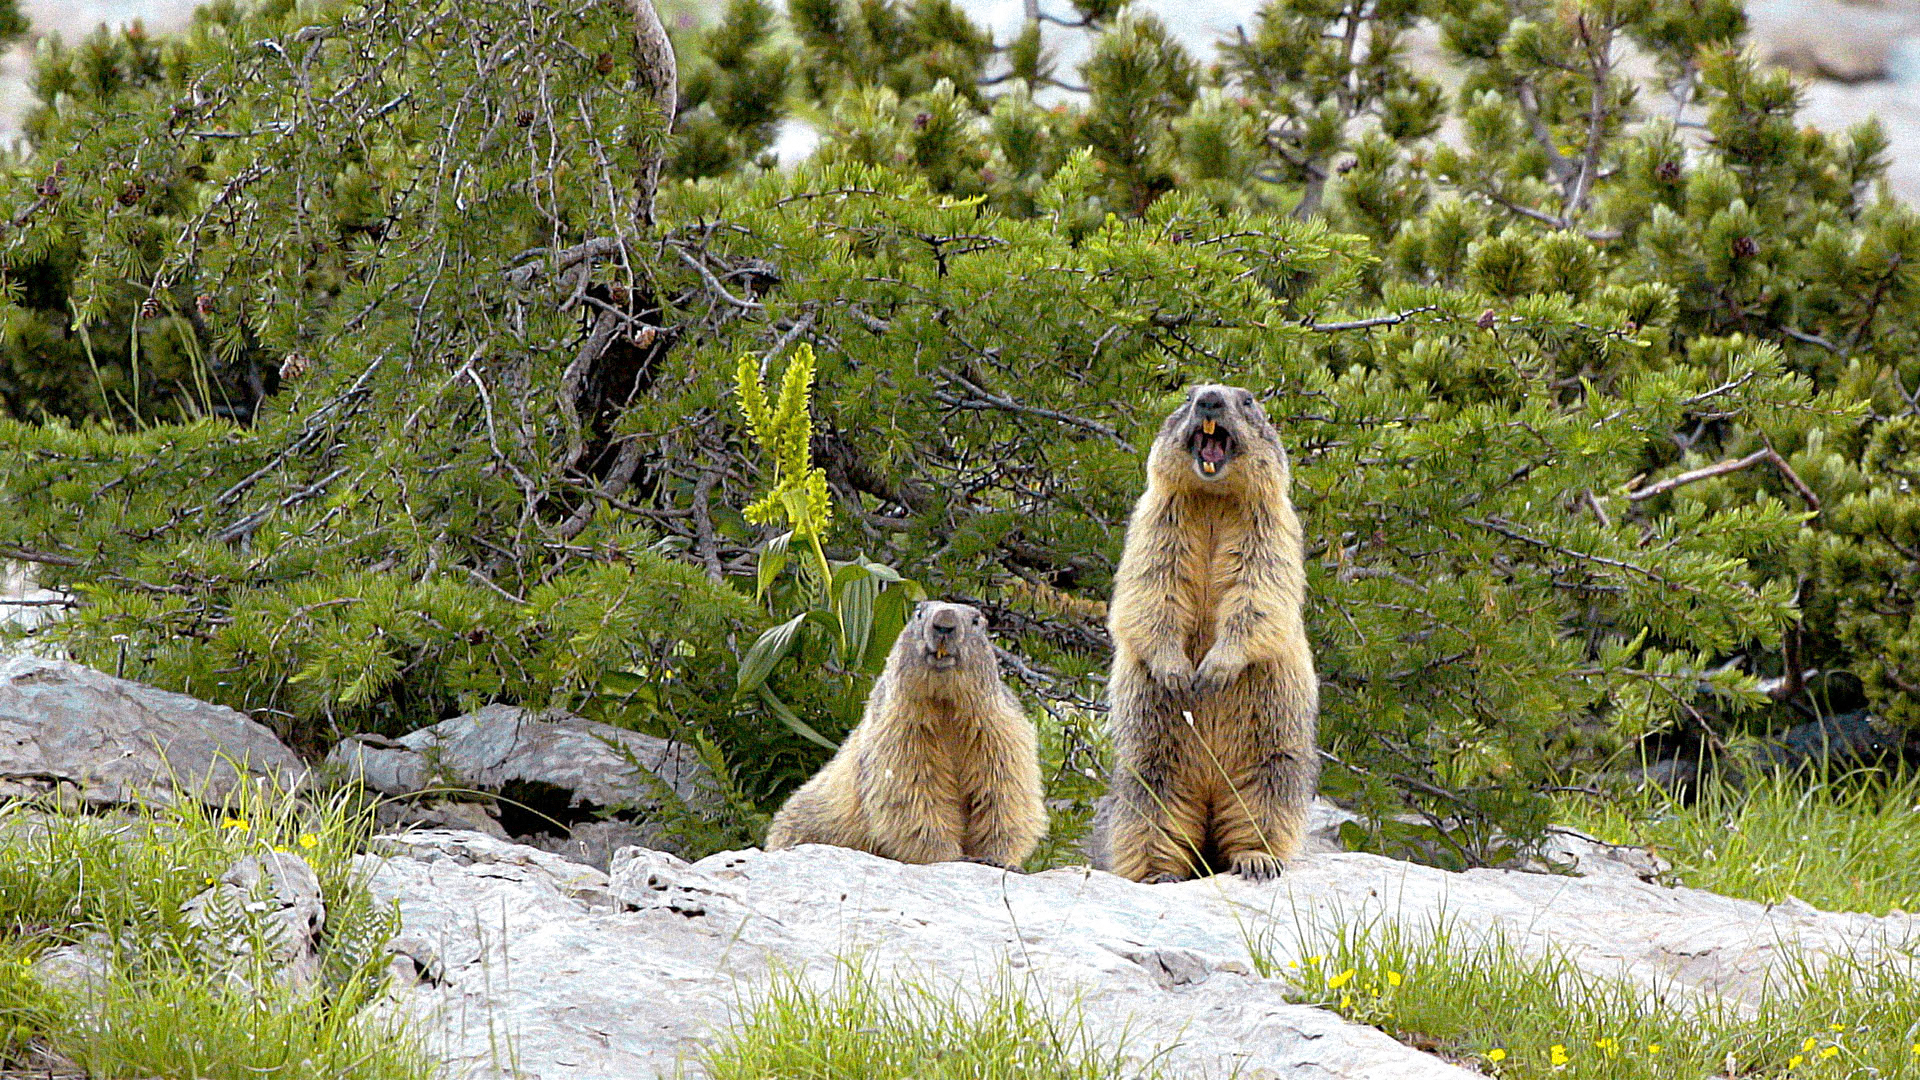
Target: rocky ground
x=1861, y=58
x=514, y=960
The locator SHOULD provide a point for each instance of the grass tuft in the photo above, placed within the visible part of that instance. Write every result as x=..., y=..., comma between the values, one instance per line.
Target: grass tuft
x=859, y=1029
x=1842, y=843
x=1482, y=1001
x=114, y=883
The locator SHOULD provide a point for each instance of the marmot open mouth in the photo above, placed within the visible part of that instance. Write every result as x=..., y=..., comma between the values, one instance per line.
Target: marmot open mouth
x=941, y=659
x=1212, y=445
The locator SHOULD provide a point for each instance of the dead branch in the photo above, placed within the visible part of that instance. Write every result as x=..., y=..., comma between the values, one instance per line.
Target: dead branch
x=1722, y=468
x=658, y=77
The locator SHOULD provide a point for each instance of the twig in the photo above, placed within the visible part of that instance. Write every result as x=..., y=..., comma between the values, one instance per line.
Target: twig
x=1378, y=320
x=1722, y=468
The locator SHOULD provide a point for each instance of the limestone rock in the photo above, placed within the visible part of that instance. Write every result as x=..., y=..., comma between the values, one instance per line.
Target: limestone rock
x=556, y=772
x=1828, y=40
x=633, y=979
x=265, y=908
x=116, y=741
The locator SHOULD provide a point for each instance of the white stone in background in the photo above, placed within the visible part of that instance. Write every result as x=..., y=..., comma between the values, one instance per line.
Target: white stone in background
x=507, y=967
x=23, y=603
x=117, y=741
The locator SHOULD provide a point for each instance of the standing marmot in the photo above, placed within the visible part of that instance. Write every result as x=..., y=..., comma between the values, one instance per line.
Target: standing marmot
x=942, y=766
x=1213, y=693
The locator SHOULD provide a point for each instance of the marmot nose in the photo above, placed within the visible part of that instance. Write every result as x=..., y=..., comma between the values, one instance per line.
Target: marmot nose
x=946, y=622
x=1210, y=403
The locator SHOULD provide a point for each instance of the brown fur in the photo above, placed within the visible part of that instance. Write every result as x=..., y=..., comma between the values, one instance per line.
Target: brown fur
x=942, y=766
x=1213, y=694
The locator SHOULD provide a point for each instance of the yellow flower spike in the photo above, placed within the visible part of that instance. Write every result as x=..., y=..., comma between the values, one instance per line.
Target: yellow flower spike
x=1341, y=979
x=1827, y=1052
x=1346, y=1002
x=309, y=841
x=1557, y=1054
x=1810, y=1043
x=1393, y=978
x=1794, y=1061
x=1497, y=1055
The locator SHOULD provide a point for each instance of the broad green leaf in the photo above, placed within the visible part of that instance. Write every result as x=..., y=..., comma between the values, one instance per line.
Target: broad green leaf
x=767, y=652
x=792, y=720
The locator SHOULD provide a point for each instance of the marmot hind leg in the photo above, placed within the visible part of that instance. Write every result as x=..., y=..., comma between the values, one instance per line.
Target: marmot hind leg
x=1262, y=819
x=1150, y=837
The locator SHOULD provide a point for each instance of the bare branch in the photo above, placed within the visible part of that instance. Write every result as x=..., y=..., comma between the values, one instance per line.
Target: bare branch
x=658, y=77
x=43, y=557
x=1394, y=319
x=983, y=398
x=1722, y=468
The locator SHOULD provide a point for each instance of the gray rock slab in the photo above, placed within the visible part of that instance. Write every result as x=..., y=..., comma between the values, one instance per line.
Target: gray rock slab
x=117, y=741
x=592, y=765
x=508, y=962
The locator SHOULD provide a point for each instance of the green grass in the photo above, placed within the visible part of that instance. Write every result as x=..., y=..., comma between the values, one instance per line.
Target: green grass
x=114, y=884
x=1842, y=844
x=862, y=1029
x=1482, y=1002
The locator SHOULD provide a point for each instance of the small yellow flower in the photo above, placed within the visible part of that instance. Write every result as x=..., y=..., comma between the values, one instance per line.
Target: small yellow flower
x=234, y=823
x=281, y=849
x=1346, y=1002
x=1557, y=1054
x=1794, y=1061
x=1828, y=1052
x=1653, y=1048
x=1609, y=1045
x=1916, y=1049
x=1497, y=1055
x=1341, y=979
x=1836, y=1027
x=1393, y=978
x=1809, y=1044
x=1314, y=961
x=308, y=840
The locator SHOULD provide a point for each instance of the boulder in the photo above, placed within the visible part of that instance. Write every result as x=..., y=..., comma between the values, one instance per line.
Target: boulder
x=64, y=727
x=565, y=976
x=557, y=774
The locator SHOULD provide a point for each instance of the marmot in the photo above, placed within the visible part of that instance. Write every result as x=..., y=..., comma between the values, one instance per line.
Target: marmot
x=1213, y=694
x=942, y=766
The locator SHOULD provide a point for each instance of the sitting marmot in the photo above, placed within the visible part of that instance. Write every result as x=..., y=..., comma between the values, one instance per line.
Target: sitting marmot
x=942, y=766
x=1213, y=694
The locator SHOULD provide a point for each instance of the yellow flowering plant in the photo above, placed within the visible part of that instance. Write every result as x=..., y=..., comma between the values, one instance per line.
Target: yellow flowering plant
x=856, y=607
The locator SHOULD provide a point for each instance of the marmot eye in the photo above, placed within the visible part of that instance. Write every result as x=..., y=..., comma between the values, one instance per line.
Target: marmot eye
x=980, y=620
x=1246, y=399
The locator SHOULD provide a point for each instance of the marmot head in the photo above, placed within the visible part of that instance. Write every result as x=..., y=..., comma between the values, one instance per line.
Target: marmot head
x=943, y=642
x=1219, y=439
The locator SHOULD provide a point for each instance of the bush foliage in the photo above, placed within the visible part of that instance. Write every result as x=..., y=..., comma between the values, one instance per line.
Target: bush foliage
x=352, y=383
